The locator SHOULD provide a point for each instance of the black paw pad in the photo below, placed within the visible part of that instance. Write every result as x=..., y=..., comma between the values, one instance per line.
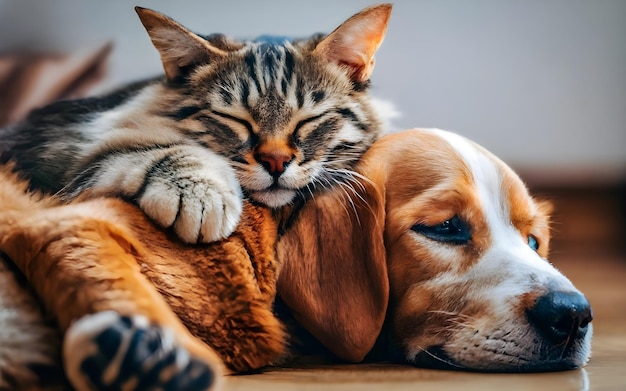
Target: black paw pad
x=107, y=351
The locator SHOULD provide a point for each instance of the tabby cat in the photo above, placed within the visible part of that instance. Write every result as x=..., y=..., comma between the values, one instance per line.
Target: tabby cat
x=269, y=118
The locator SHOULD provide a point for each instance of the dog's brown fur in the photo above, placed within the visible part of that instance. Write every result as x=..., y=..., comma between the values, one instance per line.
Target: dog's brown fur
x=105, y=254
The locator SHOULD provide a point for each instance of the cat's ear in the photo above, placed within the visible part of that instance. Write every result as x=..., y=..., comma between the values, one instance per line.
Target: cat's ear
x=354, y=43
x=180, y=49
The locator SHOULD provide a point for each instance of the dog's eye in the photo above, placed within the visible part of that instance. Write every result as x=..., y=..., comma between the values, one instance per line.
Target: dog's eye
x=533, y=243
x=454, y=231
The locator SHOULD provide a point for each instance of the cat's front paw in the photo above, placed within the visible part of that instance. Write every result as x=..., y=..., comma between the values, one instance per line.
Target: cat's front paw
x=108, y=351
x=200, y=210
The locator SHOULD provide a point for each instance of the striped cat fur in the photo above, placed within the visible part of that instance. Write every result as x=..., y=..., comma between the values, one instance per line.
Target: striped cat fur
x=272, y=119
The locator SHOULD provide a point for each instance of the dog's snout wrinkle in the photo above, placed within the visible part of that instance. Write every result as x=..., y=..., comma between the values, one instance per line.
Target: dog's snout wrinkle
x=561, y=317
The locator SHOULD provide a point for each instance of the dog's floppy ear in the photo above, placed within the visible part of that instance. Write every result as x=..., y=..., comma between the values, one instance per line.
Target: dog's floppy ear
x=334, y=274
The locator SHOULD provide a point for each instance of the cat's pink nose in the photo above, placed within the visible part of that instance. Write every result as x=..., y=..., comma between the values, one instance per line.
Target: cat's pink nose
x=275, y=162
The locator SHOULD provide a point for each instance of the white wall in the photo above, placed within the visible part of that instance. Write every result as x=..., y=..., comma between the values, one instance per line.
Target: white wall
x=540, y=83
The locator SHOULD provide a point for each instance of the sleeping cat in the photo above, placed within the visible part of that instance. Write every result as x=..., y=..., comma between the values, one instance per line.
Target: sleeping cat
x=272, y=119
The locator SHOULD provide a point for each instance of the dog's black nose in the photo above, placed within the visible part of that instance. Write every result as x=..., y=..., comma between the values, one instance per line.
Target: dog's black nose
x=561, y=316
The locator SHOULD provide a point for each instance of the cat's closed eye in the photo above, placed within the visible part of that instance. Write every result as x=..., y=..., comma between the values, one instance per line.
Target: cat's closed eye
x=242, y=122
x=303, y=122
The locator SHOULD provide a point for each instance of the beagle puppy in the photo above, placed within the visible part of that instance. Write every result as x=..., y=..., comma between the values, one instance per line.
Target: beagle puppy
x=438, y=246
x=435, y=249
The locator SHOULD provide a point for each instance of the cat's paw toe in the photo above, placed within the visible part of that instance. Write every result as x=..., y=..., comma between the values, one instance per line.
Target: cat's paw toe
x=208, y=213
x=108, y=351
x=222, y=219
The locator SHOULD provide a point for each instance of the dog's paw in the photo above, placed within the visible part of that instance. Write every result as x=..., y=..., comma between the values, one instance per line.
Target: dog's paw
x=201, y=210
x=107, y=351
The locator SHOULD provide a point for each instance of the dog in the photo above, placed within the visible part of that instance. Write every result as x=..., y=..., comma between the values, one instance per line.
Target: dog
x=434, y=255
x=442, y=248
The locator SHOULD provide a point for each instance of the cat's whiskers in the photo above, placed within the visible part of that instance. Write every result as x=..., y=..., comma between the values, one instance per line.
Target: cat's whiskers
x=351, y=181
x=342, y=192
x=350, y=178
x=346, y=182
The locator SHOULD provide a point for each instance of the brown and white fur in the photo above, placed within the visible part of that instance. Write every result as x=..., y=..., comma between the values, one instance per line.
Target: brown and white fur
x=466, y=283
x=371, y=265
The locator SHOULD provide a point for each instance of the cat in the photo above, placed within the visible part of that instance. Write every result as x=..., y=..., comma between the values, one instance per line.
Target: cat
x=272, y=119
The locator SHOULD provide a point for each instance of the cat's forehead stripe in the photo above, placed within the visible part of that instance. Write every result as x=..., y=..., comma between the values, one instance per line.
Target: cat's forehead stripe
x=270, y=66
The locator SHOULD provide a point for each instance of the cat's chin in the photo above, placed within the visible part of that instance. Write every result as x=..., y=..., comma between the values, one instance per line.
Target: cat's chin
x=274, y=198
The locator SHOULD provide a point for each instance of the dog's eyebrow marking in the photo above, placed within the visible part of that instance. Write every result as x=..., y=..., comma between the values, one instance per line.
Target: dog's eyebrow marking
x=486, y=176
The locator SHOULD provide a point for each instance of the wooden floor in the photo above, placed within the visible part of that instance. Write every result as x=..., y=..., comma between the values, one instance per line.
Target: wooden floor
x=584, y=258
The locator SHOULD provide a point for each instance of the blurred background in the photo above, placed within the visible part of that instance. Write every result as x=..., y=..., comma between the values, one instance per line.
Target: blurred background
x=542, y=84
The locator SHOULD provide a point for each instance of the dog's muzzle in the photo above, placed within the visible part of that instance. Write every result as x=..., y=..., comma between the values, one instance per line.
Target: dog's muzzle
x=553, y=336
